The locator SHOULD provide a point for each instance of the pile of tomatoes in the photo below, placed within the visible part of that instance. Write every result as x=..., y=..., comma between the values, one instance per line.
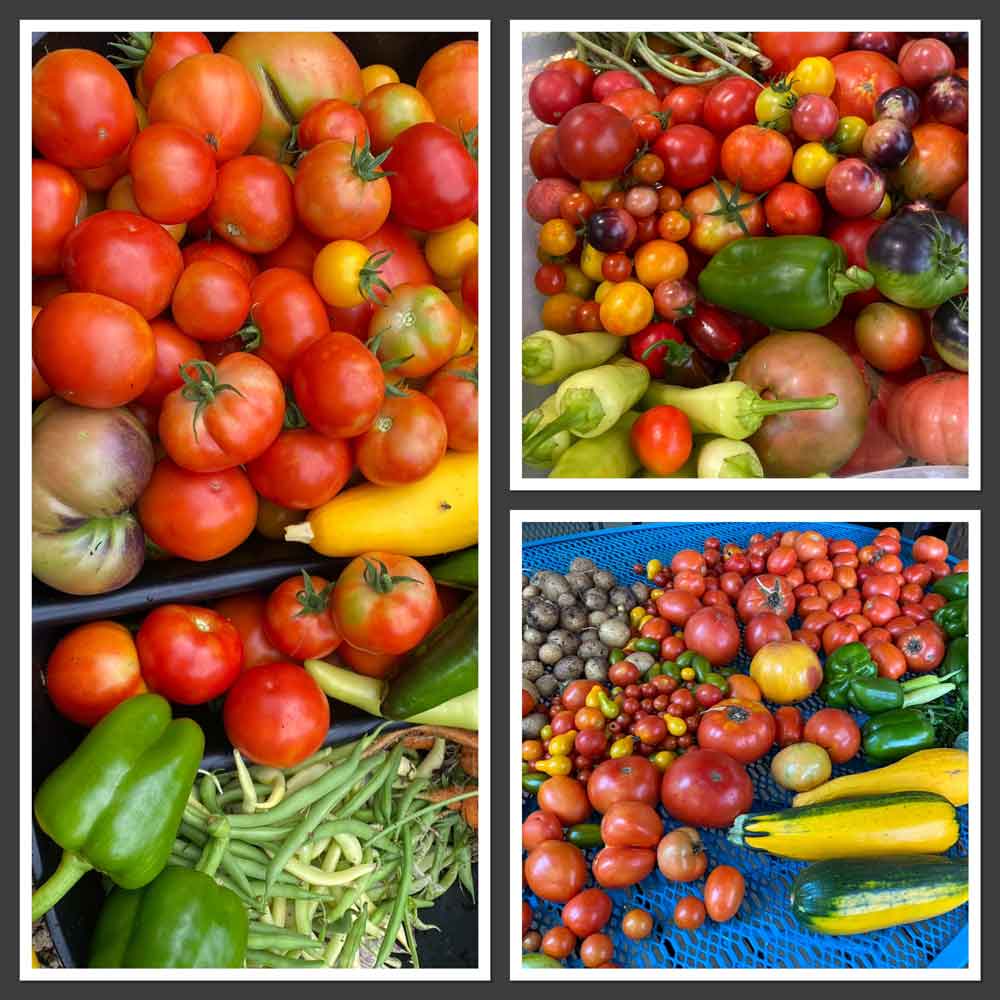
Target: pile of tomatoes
x=261, y=283
x=636, y=189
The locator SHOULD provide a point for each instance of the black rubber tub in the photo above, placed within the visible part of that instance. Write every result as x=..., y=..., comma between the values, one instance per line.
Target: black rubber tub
x=257, y=565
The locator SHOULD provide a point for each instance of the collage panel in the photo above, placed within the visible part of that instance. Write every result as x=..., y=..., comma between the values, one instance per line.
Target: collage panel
x=251, y=723
x=745, y=746
x=745, y=254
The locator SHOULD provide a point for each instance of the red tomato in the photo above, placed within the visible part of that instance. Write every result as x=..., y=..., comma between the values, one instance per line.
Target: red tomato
x=743, y=729
x=454, y=388
x=861, y=79
x=566, y=798
x=756, y=158
x=124, y=256
x=888, y=658
x=338, y=386
x=730, y=104
x=553, y=93
x=661, y=439
x=301, y=469
x=923, y=60
x=224, y=253
x=836, y=732
x=677, y=606
x=556, y=871
x=82, y=113
x=164, y=50
x=684, y=105
x=766, y=592
x=93, y=350
x=57, y=204
x=332, y=119
x=188, y=654
x=194, y=515
x=213, y=95
x=276, y=715
x=92, y=670
x=542, y=156
x=690, y=156
x=538, y=827
x=297, y=618
x=724, y=891
x=631, y=824
x=928, y=548
x=254, y=204
x=923, y=646
x=173, y=351
x=788, y=725
x=173, y=173
x=384, y=603
x=405, y=266
x=618, y=867
x=786, y=49
x=854, y=188
x=793, y=210
x=714, y=634
x=433, y=178
x=633, y=102
x=929, y=418
x=210, y=301
x=763, y=628
x=595, y=142
x=706, y=788
x=405, y=443
x=246, y=612
x=623, y=779
x=587, y=912
x=450, y=81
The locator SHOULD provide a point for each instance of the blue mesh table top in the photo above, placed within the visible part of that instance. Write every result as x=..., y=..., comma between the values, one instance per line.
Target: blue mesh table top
x=764, y=934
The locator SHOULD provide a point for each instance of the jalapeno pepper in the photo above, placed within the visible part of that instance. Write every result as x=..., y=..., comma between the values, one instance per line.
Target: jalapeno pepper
x=953, y=587
x=585, y=835
x=953, y=618
x=671, y=669
x=873, y=695
x=531, y=781
x=893, y=735
x=845, y=664
x=646, y=644
x=616, y=656
x=684, y=660
x=702, y=668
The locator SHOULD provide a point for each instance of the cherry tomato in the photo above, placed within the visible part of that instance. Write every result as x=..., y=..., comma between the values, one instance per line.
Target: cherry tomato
x=854, y=188
x=815, y=118
x=661, y=438
x=730, y=104
x=596, y=951
x=756, y=158
x=684, y=104
x=724, y=891
x=637, y=924
x=690, y=155
x=689, y=913
x=924, y=60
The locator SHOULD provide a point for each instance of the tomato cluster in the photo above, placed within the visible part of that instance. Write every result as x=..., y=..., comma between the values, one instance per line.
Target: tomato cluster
x=639, y=182
x=259, y=296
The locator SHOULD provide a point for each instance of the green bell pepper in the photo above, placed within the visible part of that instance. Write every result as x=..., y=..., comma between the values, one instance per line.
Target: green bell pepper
x=180, y=920
x=784, y=282
x=846, y=664
x=893, y=735
x=952, y=587
x=873, y=695
x=953, y=618
x=115, y=803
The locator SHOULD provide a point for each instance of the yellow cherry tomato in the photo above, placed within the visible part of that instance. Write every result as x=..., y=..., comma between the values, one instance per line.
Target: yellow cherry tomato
x=598, y=190
x=532, y=750
x=814, y=75
x=345, y=273
x=882, y=212
x=676, y=726
x=545, y=733
x=688, y=674
x=470, y=326
x=660, y=260
x=811, y=164
x=591, y=261
x=636, y=615
x=622, y=747
x=663, y=759
x=556, y=237
x=577, y=283
x=652, y=568
x=377, y=75
x=562, y=745
x=601, y=293
x=559, y=312
x=774, y=104
x=554, y=765
x=627, y=308
x=450, y=251
x=655, y=593
x=850, y=131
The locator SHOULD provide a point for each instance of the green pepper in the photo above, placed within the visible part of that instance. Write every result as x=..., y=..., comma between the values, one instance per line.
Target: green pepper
x=180, y=920
x=956, y=659
x=585, y=835
x=684, y=660
x=784, y=282
x=539, y=960
x=845, y=664
x=672, y=669
x=701, y=667
x=460, y=569
x=952, y=587
x=608, y=456
x=893, y=735
x=873, y=695
x=616, y=656
x=531, y=781
x=115, y=804
x=953, y=618
x=646, y=644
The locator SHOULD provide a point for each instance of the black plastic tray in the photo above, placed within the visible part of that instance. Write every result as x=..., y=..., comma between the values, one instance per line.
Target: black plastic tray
x=257, y=565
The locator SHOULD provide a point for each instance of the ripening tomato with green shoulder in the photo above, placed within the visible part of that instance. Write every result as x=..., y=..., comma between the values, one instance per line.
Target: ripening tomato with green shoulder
x=455, y=389
x=418, y=330
x=297, y=618
x=720, y=213
x=384, y=603
x=391, y=109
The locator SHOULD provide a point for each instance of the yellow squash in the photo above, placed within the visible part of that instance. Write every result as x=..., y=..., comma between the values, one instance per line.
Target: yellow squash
x=898, y=823
x=439, y=513
x=944, y=772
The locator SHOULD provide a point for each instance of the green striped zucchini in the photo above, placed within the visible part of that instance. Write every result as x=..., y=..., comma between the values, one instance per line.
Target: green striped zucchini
x=857, y=895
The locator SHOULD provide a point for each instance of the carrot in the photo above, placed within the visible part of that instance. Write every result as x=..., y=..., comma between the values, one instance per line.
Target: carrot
x=463, y=737
x=470, y=812
x=469, y=761
x=440, y=794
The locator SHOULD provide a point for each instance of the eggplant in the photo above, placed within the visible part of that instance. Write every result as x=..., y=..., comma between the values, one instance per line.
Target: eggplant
x=950, y=332
x=920, y=259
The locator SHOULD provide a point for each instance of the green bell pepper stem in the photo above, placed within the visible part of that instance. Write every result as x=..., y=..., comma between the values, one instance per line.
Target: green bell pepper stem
x=548, y=357
x=854, y=279
x=71, y=869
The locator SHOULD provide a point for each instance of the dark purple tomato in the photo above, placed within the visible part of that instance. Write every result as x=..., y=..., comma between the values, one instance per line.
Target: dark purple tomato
x=887, y=143
x=887, y=43
x=947, y=101
x=552, y=93
x=815, y=117
x=900, y=103
x=611, y=230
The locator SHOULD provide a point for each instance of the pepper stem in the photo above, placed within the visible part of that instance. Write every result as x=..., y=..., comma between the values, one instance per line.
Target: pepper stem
x=71, y=869
x=854, y=279
x=761, y=407
x=536, y=357
x=581, y=412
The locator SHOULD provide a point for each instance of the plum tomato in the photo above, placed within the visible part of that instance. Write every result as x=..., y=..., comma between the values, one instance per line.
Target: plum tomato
x=631, y=824
x=619, y=867
x=587, y=912
x=724, y=891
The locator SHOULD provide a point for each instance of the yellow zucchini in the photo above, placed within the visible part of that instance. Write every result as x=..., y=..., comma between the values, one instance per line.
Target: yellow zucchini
x=944, y=772
x=439, y=513
x=898, y=823
x=855, y=896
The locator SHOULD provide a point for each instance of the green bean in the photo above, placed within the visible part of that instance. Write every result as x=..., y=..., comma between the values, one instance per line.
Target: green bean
x=232, y=869
x=365, y=815
x=268, y=960
x=232, y=795
x=292, y=891
x=332, y=827
x=355, y=892
x=263, y=834
x=433, y=807
x=412, y=790
x=208, y=791
x=396, y=917
x=383, y=806
x=366, y=791
x=411, y=941
x=345, y=960
x=247, y=900
x=286, y=941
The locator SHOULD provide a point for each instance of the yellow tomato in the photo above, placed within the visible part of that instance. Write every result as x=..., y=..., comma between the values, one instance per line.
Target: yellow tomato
x=591, y=261
x=660, y=260
x=376, y=75
x=557, y=237
x=622, y=747
x=559, y=312
x=676, y=726
x=598, y=190
x=577, y=283
x=602, y=291
x=627, y=308
x=450, y=251
x=470, y=326
x=786, y=672
x=811, y=164
x=663, y=759
x=122, y=198
x=344, y=273
x=882, y=212
x=814, y=75
x=850, y=133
